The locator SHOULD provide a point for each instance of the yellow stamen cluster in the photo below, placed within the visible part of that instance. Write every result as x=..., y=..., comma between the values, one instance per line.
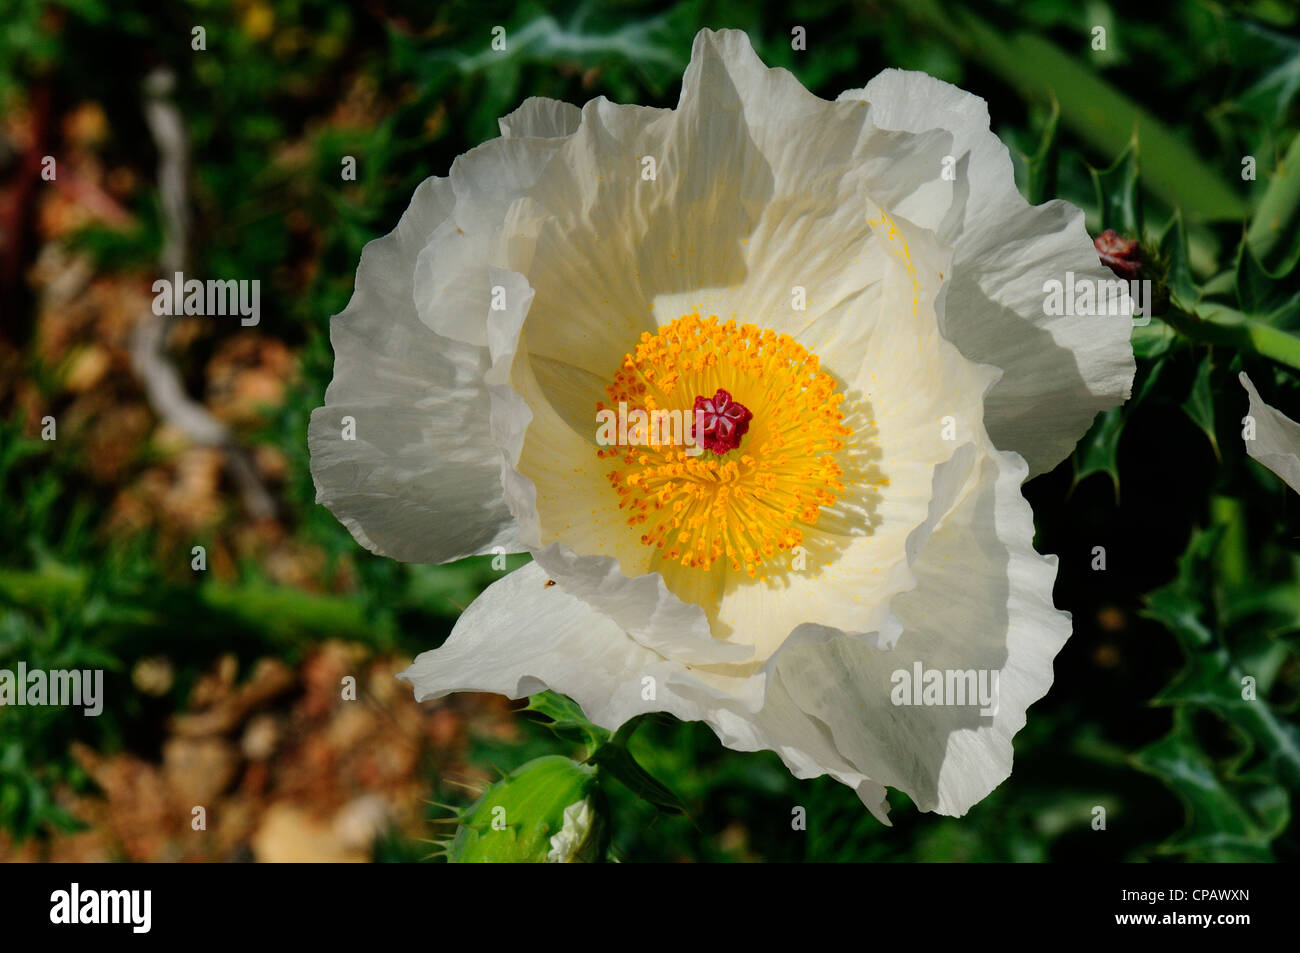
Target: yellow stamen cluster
x=748, y=504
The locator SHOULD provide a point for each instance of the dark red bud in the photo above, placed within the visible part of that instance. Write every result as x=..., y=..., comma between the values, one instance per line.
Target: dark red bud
x=1120, y=255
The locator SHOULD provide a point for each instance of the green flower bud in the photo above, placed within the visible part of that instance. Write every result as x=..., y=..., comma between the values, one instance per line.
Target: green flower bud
x=549, y=810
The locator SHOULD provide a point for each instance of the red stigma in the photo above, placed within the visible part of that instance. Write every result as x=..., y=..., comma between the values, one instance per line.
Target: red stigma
x=724, y=421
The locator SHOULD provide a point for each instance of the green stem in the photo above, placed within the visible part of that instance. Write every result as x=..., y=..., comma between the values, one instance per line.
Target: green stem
x=1250, y=336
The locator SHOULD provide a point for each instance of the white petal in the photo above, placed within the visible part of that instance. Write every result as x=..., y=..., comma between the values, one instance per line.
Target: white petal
x=983, y=602
x=541, y=118
x=522, y=636
x=452, y=291
x=1277, y=438
x=422, y=480
x=1060, y=371
x=573, y=832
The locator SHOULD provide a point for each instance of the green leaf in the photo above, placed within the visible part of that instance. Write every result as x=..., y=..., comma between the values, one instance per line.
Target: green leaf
x=1041, y=167
x=1251, y=283
x=1273, y=610
x=1090, y=107
x=1229, y=817
x=1263, y=297
x=1153, y=339
x=1274, y=233
x=1221, y=285
x=566, y=719
x=1117, y=193
x=616, y=761
x=1178, y=278
x=1270, y=95
x=1098, y=450
x=1199, y=405
x=1147, y=386
x=1212, y=678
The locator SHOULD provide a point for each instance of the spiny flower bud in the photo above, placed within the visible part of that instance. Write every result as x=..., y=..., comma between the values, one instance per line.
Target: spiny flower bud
x=1120, y=255
x=550, y=810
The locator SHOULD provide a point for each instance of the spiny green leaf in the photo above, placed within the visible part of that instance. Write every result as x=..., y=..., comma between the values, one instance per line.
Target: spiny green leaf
x=1274, y=233
x=1041, y=167
x=1098, y=450
x=1199, y=405
x=1178, y=278
x=567, y=719
x=1275, y=301
x=1149, y=378
x=1270, y=95
x=1229, y=818
x=1212, y=677
x=1117, y=193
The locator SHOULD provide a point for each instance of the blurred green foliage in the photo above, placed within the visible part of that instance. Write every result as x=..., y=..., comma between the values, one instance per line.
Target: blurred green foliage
x=1149, y=136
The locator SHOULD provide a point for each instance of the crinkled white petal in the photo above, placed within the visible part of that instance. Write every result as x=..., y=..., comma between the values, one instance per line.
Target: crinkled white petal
x=983, y=603
x=540, y=118
x=1277, y=438
x=522, y=636
x=421, y=480
x=1060, y=371
x=453, y=290
x=573, y=832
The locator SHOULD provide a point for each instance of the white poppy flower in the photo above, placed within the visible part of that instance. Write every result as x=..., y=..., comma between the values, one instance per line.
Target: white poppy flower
x=862, y=278
x=1271, y=437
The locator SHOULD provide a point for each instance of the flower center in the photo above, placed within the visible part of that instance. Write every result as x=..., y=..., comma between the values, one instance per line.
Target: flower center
x=699, y=499
x=723, y=420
